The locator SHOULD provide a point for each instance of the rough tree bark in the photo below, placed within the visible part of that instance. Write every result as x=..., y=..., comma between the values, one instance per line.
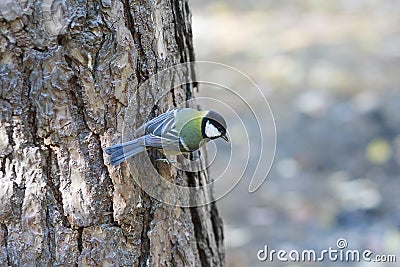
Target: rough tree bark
x=67, y=71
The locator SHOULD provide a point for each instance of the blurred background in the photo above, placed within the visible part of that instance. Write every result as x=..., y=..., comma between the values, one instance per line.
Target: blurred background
x=331, y=73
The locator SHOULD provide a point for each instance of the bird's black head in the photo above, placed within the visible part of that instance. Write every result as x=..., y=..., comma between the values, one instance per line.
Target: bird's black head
x=213, y=126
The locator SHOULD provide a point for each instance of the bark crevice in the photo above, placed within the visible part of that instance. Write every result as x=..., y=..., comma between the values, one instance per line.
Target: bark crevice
x=147, y=218
x=217, y=223
x=199, y=239
x=80, y=239
x=202, y=241
x=52, y=172
x=51, y=243
x=5, y=233
x=78, y=106
x=178, y=22
x=136, y=35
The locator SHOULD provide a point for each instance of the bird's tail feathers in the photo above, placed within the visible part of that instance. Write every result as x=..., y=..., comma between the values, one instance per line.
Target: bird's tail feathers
x=120, y=152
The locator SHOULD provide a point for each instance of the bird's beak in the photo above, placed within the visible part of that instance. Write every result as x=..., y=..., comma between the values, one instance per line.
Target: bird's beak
x=225, y=138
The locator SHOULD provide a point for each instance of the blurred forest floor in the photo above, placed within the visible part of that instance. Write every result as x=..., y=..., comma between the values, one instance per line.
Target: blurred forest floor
x=331, y=72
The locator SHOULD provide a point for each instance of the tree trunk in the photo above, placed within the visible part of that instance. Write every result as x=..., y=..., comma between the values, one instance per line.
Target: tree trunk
x=69, y=72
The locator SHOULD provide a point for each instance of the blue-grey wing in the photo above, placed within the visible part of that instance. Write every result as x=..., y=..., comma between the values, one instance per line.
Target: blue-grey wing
x=162, y=125
x=160, y=132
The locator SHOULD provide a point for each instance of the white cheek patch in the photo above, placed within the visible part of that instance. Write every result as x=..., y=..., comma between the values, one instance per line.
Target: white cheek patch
x=211, y=131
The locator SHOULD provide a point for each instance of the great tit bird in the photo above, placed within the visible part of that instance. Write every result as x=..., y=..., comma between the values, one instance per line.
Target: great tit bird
x=176, y=131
